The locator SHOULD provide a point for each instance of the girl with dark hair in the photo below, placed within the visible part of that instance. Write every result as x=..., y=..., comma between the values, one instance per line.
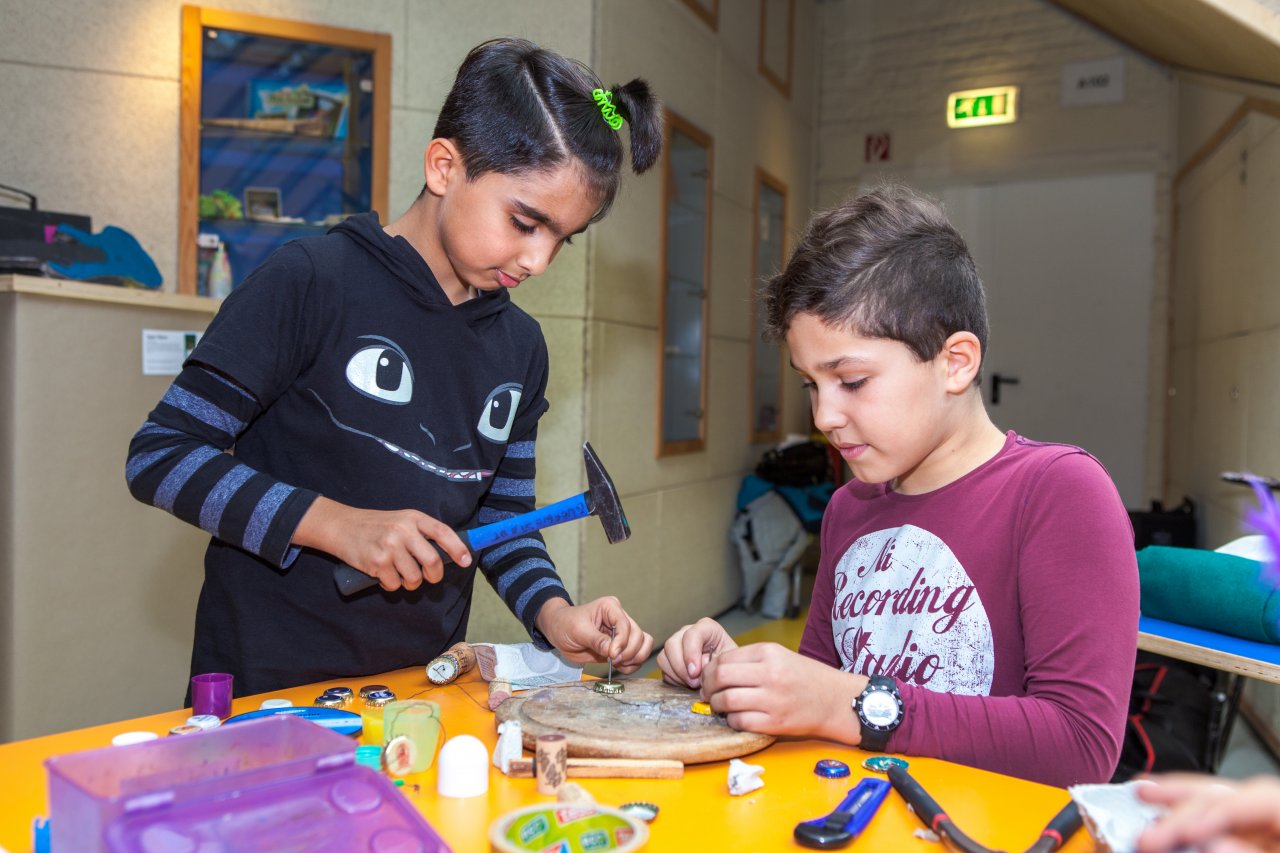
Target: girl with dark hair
x=381, y=390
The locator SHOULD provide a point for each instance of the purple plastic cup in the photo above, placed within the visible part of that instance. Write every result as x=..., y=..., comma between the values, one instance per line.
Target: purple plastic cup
x=211, y=694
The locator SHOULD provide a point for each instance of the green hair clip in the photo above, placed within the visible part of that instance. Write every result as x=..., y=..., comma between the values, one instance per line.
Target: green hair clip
x=605, y=100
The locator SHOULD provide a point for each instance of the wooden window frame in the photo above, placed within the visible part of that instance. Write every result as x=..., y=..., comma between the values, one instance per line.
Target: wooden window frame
x=194, y=21
x=674, y=123
x=763, y=178
x=782, y=84
x=710, y=17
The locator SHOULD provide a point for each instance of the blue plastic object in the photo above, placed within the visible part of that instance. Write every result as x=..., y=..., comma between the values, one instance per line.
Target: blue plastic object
x=123, y=257
x=342, y=722
x=848, y=820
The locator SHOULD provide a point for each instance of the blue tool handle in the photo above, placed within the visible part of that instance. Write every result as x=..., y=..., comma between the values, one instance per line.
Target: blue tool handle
x=848, y=820
x=350, y=581
x=568, y=509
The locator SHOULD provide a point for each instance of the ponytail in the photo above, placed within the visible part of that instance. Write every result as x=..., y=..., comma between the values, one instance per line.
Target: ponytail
x=644, y=121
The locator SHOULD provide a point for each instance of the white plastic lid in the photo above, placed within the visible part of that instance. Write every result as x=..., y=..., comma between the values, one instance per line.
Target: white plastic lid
x=275, y=703
x=126, y=738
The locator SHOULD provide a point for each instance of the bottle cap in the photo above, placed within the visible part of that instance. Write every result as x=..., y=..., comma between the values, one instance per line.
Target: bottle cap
x=882, y=763
x=328, y=700
x=609, y=688
x=204, y=721
x=645, y=811
x=276, y=703
x=378, y=698
x=126, y=738
x=399, y=756
x=829, y=768
x=343, y=693
x=369, y=688
x=703, y=708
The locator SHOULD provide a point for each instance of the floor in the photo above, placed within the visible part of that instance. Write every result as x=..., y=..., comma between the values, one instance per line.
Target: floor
x=1244, y=756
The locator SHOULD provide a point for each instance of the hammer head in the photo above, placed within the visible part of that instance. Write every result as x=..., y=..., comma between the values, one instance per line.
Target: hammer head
x=604, y=497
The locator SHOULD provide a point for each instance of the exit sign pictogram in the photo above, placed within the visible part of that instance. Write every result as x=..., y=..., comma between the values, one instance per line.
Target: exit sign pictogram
x=976, y=107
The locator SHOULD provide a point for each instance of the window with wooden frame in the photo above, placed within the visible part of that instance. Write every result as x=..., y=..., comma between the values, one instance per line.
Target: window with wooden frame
x=777, y=36
x=285, y=128
x=769, y=234
x=686, y=276
x=707, y=10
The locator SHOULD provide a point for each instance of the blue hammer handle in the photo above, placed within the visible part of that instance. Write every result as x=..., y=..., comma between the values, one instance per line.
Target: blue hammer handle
x=476, y=539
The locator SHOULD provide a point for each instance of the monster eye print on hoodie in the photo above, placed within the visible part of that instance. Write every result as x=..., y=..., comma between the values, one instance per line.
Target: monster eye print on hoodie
x=380, y=370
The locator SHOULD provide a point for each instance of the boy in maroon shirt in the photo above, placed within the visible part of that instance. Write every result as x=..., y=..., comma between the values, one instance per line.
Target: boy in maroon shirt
x=977, y=593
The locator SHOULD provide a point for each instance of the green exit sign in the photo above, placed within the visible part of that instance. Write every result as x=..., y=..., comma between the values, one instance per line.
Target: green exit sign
x=975, y=107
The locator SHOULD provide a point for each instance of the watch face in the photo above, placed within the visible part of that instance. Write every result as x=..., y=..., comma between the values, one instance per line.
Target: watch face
x=880, y=708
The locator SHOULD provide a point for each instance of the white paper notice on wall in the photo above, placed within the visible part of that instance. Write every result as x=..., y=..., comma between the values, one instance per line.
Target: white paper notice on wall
x=1099, y=81
x=163, y=351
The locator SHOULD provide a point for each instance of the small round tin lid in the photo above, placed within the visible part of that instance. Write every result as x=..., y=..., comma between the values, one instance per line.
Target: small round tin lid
x=344, y=692
x=399, y=756
x=127, y=738
x=328, y=700
x=379, y=697
x=640, y=809
x=829, y=768
x=204, y=721
x=882, y=763
x=371, y=688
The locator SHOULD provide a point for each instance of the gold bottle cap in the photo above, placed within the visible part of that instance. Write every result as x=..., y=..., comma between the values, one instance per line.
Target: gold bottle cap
x=328, y=700
x=372, y=688
x=609, y=688
x=378, y=698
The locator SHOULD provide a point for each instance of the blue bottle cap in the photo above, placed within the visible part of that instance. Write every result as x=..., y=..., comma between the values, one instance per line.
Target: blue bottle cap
x=882, y=763
x=829, y=768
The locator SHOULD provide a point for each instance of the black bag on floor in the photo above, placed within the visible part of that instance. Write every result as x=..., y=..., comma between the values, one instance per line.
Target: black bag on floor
x=802, y=464
x=1171, y=710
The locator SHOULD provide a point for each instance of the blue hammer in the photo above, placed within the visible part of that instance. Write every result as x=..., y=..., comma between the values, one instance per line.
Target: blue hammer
x=600, y=499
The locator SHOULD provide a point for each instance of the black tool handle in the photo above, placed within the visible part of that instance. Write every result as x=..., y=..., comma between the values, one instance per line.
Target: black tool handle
x=1064, y=825
x=929, y=812
x=350, y=581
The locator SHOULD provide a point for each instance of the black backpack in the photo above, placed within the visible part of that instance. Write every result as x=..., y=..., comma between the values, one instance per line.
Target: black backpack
x=802, y=464
x=1172, y=709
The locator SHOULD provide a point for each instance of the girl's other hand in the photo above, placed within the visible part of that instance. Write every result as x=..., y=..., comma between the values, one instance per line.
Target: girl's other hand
x=687, y=652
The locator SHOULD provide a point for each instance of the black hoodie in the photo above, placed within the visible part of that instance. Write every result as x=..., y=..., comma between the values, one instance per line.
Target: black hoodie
x=374, y=390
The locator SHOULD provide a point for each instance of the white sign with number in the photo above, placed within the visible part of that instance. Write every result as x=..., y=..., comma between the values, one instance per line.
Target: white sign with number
x=1099, y=81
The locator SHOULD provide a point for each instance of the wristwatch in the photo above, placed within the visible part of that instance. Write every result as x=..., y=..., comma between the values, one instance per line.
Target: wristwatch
x=879, y=710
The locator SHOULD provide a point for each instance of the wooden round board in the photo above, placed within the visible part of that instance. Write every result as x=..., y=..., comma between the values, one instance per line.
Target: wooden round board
x=650, y=719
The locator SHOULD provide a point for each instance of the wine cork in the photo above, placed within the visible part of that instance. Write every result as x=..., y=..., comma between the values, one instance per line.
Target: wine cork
x=551, y=758
x=499, y=692
x=465, y=655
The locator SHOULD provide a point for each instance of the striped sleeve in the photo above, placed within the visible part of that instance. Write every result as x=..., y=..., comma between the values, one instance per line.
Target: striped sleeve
x=178, y=462
x=520, y=570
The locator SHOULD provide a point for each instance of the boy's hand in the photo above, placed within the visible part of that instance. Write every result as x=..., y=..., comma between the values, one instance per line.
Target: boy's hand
x=687, y=651
x=393, y=546
x=1212, y=813
x=582, y=632
x=770, y=689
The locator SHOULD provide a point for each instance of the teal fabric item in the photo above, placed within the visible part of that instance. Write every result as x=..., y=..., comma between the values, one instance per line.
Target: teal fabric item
x=1205, y=589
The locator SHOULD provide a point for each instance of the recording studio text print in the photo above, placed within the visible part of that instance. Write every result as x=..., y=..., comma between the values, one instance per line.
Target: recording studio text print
x=906, y=608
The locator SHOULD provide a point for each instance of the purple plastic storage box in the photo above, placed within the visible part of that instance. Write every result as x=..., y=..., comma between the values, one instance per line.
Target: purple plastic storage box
x=275, y=784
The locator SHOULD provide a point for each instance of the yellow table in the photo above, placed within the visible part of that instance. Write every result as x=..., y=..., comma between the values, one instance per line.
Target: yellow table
x=697, y=812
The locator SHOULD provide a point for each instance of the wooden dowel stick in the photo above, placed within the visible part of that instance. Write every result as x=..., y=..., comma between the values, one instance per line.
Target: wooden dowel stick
x=607, y=768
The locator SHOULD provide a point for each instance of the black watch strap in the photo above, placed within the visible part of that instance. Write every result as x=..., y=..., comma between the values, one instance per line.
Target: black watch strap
x=875, y=740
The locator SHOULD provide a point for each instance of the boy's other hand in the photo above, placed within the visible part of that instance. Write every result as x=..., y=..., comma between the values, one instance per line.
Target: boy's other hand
x=769, y=689
x=582, y=632
x=1212, y=813
x=685, y=654
x=393, y=546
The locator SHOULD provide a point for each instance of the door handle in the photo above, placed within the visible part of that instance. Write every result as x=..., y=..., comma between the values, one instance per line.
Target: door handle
x=996, y=381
